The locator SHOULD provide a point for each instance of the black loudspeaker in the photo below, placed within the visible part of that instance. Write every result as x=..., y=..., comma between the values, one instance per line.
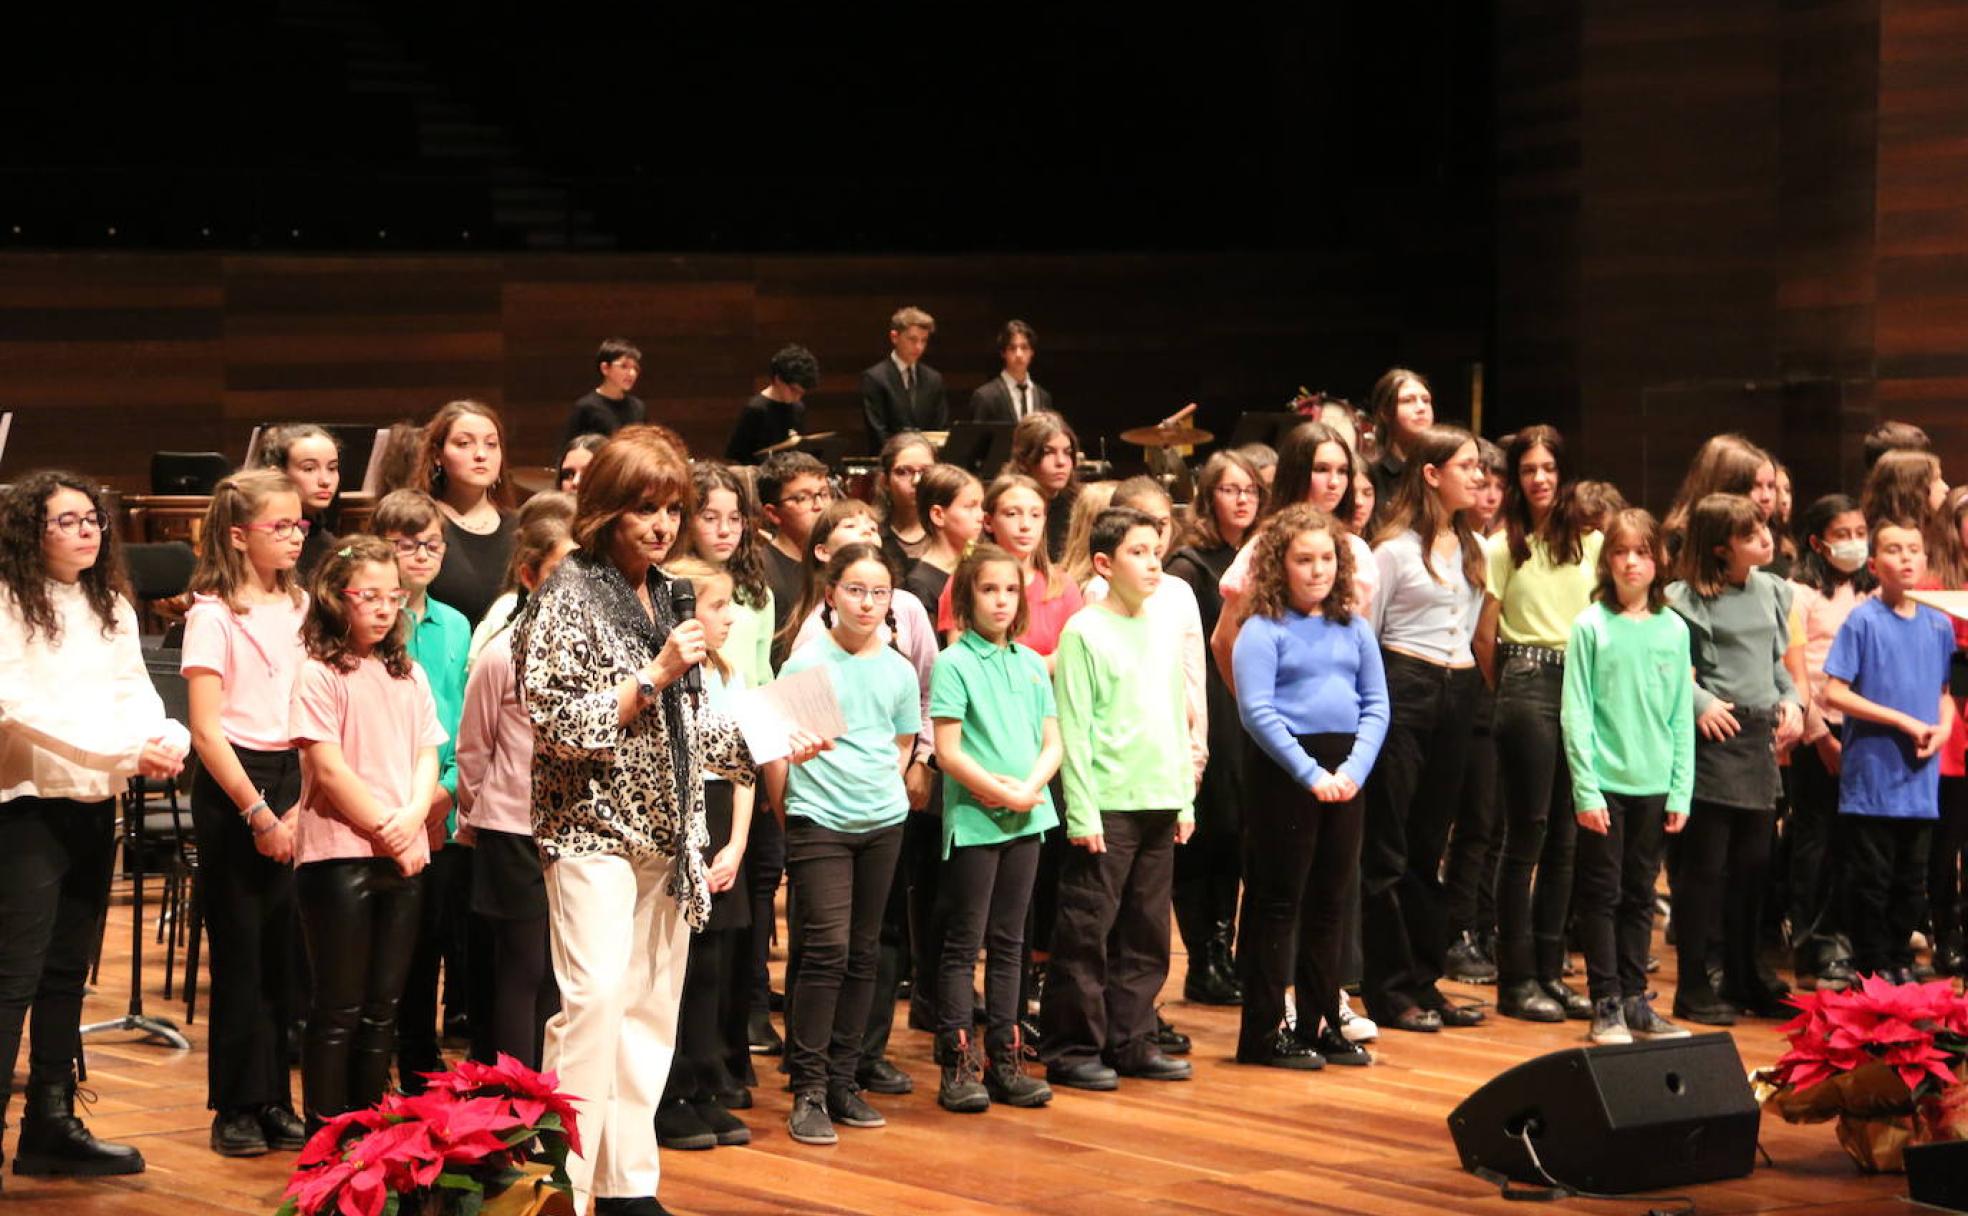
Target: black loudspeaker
x=1616, y=1119
x=1937, y=1174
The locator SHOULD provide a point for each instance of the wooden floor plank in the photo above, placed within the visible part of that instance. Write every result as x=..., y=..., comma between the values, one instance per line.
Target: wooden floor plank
x=1253, y=1142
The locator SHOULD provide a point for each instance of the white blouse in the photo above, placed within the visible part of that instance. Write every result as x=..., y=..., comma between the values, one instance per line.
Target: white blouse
x=76, y=713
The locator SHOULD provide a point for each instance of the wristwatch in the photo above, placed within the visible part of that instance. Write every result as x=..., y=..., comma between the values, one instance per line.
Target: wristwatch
x=645, y=687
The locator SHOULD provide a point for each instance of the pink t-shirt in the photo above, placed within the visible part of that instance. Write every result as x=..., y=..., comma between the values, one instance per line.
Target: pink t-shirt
x=256, y=656
x=381, y=724
x=495, y=746
x=1047, y=617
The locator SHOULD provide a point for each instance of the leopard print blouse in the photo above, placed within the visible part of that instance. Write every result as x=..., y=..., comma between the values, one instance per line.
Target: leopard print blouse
x=634, y=791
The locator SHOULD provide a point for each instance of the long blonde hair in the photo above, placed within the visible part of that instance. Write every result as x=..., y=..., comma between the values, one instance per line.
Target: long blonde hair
x=701, y=575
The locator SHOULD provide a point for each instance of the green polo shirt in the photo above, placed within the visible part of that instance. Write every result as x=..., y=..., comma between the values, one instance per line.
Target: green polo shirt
x=1002, y=696
x=1123, y=720
x=439, y=642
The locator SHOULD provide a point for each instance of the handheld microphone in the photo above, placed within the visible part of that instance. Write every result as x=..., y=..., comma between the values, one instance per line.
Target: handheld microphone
x=683, y=602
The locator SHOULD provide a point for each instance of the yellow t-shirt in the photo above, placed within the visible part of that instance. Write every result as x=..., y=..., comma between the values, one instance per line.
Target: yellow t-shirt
x=1539, y=600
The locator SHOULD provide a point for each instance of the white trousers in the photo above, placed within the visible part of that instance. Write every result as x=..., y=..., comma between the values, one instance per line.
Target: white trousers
x=620, y=944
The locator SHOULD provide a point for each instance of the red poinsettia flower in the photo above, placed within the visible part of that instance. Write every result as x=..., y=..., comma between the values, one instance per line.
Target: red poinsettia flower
x=464, y=1131
x=1892, y=1024
x=376, y=1166
x=524, y=1084
x=326, y=1144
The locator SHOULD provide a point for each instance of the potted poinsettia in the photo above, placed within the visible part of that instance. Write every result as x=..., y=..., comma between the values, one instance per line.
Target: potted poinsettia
x=490, y=1139
x=1885, y=1060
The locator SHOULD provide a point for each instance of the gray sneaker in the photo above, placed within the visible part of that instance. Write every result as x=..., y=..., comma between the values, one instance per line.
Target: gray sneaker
x=1643, y=1023
x=1608, y=1023
x=809, y=1123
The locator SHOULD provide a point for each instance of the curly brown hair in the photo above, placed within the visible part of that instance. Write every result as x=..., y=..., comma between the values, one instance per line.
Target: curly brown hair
x=1270, y=592
x=746, y=565
x=24, y=567
x=324, y=634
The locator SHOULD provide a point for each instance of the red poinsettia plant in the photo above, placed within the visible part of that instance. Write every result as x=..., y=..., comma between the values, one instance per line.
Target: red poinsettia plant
x=1917, y=1031
x=472, y=1132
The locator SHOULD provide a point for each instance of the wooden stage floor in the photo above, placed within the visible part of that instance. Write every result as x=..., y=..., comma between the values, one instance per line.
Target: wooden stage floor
x=1234, y=1140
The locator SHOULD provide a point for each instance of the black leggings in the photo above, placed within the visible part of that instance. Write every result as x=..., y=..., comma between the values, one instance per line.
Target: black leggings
x=1534, y=880
x=360, y=919
x=711, y=1041
x=985, y=893
x=54, y=884
x=1298, y=854
x=1724, y=858
x=1944, y=863
x=248, y=902
x=840, y=882
x=526, y=994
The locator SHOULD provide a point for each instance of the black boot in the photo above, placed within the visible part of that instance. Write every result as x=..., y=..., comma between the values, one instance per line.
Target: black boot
x=960, y=1089
x=1202, y=984
x=1222, y=964
x=53, y=1141
x=1005, y=1079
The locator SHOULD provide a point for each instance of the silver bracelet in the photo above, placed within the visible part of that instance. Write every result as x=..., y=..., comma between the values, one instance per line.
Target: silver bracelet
x=249, y=812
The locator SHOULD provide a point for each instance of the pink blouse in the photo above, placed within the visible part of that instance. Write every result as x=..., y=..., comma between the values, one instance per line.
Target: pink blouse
x=495, y=746
x=256, y=655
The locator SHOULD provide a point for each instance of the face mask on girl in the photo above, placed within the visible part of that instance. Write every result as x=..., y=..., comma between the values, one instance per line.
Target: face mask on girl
x=1847, y=555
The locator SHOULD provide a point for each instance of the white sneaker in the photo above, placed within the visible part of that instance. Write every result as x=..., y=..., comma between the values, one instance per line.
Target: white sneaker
x=1355, y=1027
x=1291, y=1009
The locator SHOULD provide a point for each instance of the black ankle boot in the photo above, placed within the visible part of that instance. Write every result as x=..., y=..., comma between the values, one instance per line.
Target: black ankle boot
x=1221, y=961
x=960, y=1088
x=1005, y=1079
x=53, y=1141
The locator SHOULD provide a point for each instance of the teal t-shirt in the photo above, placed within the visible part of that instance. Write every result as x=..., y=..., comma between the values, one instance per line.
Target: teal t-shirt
x=1002, y=696
x=857, y=787
x=440, y=643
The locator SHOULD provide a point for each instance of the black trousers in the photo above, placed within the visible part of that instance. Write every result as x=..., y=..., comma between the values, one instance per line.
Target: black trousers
x=1724, y=861
x=1298, y=854
x=525, y=994
x=1886, y=886
x=982, y=900
x=911, y=935
x=841, y=882
x=55, y=857
x=1944, y=868
x=1469, y=874
x=712, y=1018
x=1616, y=874
x=765, y=865
x=359, y=916
x=1816, y=917
x=248, y=903
x=1209, y=867
x=1534, y=879
x=1110, y=944
x=449, y=935
x=1411, y=799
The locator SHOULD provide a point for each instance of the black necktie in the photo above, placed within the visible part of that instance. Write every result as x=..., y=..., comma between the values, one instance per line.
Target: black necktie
x=1023, y=404
x=909, y=381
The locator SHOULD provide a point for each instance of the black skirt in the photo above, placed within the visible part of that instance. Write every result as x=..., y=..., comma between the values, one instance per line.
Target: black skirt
x=1741, y=772
x=731, y=908
x=508, y=882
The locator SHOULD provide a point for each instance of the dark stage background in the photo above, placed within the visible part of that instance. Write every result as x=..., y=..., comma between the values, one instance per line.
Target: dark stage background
x=1644, y=223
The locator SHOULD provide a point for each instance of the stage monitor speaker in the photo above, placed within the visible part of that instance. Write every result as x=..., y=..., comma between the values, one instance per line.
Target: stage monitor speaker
x=1937, y=1174
x=1616, y=1119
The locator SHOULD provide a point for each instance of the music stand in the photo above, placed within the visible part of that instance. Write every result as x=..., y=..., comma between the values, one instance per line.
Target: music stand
x=980, y=447
x=1268, y=428
x=162, y=1031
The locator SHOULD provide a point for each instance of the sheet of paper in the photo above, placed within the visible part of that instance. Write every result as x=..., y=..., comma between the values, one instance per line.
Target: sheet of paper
x=1954, y=603
x=768, y=716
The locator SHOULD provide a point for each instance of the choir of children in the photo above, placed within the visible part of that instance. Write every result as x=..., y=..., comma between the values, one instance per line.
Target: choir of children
x=1027, y=755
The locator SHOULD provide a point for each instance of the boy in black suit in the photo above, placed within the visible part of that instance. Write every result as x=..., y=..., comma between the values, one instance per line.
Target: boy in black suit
x=902, y=393
x=1012, y=394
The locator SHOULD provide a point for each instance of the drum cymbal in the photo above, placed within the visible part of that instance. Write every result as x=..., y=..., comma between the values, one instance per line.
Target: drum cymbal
x=792, y=441
x=1166, y=436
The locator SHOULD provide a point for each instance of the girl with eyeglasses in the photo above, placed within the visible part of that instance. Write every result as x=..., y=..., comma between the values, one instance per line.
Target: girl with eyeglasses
x=242, y=651
x=905, y=530
x=843, y=814
x=366, y=726
x=78, y=716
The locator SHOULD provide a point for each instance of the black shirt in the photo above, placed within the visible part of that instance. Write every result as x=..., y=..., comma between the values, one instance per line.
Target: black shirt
x=474, y=567
x=787, y=579
x=926, y=583
x=761, y=423
x=595, y=414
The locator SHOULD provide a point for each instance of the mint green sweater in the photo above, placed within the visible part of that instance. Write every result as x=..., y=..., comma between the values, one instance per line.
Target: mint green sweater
x=1629, y=709
x=1122, y=718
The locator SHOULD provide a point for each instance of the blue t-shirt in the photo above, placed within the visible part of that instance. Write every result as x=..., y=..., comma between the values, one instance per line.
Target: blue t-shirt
x=1900, y=663
x=857, y=787
x=1304, y=675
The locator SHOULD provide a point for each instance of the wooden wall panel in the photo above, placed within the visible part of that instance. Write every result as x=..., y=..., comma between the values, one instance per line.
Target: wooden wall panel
x=139, y=352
